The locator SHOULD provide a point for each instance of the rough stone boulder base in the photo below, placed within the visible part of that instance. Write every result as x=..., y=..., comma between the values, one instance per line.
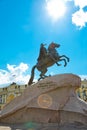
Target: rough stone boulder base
x=52, y=100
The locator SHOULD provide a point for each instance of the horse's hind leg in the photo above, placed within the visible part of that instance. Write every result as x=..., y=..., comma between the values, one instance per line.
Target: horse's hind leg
x=40, y=78
x=42, y=74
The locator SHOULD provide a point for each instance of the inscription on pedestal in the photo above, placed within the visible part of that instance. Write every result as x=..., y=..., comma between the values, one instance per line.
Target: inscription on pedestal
x=47, y=85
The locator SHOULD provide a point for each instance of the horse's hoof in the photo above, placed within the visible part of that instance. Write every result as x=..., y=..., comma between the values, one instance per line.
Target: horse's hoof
x=64, y=65
x=30, y=83
x=68, y=59
x=39, y=79
x=59, y=64
x=45, y=76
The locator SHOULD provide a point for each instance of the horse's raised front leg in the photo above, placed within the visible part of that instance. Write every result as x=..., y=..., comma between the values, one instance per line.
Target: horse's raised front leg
x=65, y=57
x=64, y=62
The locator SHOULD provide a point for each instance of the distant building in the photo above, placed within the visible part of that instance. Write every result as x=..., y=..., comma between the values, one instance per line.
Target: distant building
x=82, y=91
x=8, y=93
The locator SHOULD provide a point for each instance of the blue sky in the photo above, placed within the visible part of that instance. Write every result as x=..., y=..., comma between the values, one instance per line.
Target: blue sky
x=25, y=24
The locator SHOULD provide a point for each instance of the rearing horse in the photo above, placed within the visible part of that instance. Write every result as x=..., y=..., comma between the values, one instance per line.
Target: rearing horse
x=46, y=59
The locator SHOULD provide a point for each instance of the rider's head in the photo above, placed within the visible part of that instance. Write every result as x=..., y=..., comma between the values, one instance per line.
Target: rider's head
x=43, y=44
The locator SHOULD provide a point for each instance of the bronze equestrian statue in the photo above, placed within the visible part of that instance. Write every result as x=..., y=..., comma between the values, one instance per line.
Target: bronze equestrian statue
x=47, y=58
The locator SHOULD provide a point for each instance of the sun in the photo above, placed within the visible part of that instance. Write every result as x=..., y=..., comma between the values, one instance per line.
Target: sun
x=56, y=8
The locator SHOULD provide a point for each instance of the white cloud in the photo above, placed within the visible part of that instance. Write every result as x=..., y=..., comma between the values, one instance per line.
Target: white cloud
x=80, y=3
x=79, y=18
x=15, y=74
x=68, y=0
x=18, y=74
x=17, y=69
x=83, y=77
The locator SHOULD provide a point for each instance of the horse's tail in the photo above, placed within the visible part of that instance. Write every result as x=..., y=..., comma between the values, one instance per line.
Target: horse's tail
x=32, y=75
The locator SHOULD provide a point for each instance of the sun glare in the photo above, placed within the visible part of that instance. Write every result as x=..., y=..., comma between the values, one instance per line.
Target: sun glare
x=56, y=8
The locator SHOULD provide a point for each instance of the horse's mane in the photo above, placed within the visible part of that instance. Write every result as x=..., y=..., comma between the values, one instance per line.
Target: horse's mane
x=51, y=45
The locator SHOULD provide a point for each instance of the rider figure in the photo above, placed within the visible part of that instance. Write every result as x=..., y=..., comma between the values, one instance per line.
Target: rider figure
x=42, y=53
x=52, y=52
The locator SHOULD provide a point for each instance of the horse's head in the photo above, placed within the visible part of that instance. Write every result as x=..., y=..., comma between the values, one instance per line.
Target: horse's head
x=54, y=45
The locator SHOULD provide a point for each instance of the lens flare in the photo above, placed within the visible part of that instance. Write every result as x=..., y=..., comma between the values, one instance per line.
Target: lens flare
x=55, y=8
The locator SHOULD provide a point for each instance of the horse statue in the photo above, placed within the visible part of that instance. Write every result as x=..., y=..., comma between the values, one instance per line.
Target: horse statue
x=47, y=58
